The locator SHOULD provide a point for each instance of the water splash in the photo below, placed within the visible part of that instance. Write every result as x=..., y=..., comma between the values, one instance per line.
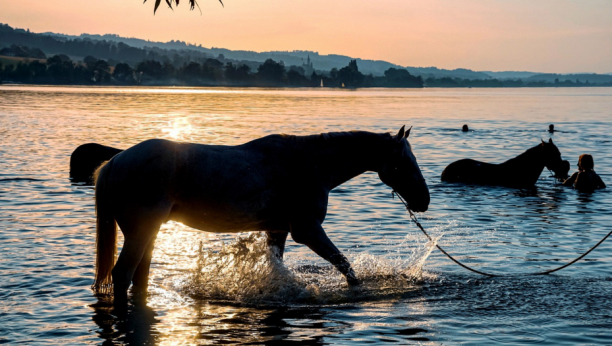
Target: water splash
x=241, y=271
x=246, y=271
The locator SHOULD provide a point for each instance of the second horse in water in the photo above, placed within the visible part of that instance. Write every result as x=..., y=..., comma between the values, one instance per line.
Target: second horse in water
x=521, y=172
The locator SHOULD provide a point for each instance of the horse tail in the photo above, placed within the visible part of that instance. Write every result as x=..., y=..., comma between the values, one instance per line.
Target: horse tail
x=106, y=231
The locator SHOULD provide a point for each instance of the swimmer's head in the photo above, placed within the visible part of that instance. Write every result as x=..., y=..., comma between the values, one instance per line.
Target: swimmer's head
x=585, y=162
x=551, y=128
x=465, y=128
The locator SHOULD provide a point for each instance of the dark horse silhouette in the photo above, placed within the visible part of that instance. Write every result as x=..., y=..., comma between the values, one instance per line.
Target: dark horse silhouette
x=86, y=158
x=278, y=184
x=521, y=172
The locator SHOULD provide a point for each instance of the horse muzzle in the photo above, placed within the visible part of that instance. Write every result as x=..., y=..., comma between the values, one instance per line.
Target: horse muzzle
x=561, y=170
x=420, y=208
x=417, y=198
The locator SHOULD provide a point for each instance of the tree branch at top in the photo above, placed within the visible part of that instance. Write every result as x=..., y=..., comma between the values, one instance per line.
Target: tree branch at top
x=192, y=3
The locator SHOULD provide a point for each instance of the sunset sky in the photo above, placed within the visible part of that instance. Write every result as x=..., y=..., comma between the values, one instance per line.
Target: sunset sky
x=526, y=35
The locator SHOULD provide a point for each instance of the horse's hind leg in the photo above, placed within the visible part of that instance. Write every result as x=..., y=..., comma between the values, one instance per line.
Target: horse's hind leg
x=139, y=231
x=277, y=240
x=131, y=254
x=141, y=275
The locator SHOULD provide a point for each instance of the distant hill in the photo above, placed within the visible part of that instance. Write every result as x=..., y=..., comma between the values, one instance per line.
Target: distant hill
x=434, y=72
x=134, y=42
x=582, y=77
x=511, y=74
x=320, y=62
x=298, y=57
x=133, y=50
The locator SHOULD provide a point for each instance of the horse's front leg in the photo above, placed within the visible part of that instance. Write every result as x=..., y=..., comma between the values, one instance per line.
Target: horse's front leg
x=312, y=235
x=277, y=240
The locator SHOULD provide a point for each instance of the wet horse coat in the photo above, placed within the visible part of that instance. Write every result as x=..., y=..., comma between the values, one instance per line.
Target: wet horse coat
x=278, y=184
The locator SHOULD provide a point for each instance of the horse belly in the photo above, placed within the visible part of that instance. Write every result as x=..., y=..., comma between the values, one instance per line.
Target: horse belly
x=218, y=220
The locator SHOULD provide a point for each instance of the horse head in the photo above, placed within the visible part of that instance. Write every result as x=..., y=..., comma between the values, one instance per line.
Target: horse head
x=553, y=161
x=563, y=171
x=401, y=172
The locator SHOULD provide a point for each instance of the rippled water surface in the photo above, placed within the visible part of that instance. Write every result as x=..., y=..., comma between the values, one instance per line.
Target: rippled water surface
x=211, y=288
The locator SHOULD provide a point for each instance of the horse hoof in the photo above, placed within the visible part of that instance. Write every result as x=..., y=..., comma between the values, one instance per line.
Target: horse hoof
x=353, y=282
x=120, y=301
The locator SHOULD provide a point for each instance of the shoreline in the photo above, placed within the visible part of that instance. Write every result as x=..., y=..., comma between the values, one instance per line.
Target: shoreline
x=251, y=86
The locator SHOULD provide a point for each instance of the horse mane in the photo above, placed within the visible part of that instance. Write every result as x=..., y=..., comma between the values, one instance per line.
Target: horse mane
x=354, y=140
x=526, y=154
x=531, y=150
x=339, y=138
x=330, y=136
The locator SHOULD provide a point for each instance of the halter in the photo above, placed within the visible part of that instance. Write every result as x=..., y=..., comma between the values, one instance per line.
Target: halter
x=418, y=224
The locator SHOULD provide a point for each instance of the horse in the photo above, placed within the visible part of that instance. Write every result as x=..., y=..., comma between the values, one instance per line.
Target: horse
x=520, y=172
x=86, y=158
x=278, y=184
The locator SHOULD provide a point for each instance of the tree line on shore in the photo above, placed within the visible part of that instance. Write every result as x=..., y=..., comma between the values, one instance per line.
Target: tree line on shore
x=60, y=69
x=117, y=63
x=447, y=82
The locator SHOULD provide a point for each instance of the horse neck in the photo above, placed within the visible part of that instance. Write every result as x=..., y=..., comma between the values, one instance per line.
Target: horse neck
x=529, y=164
x=344, y=156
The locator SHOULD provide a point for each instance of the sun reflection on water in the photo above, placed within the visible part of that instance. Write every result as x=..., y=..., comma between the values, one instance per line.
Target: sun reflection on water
x=178, y=129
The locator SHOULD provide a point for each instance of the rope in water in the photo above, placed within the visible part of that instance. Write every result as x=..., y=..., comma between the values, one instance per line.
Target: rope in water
x=418, y=224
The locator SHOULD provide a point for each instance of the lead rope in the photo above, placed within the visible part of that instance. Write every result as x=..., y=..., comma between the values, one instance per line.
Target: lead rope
x=418, y=224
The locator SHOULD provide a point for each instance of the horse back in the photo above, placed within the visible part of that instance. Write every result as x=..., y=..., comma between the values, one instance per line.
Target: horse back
x=471, y=171
x=213, y=187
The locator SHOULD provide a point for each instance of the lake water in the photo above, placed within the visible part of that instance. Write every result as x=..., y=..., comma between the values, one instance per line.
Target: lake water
x=410, y=296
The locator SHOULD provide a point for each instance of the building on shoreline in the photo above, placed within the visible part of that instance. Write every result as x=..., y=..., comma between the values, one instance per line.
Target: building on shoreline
x=308, y=67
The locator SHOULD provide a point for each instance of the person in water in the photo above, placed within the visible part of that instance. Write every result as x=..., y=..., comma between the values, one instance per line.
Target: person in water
x=585, y=179
x=465, y=128
x=551, y=128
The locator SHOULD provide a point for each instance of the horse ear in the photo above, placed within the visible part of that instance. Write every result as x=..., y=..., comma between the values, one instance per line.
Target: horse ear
x=542, y=141
x=400, y=134
x=408, y=132
x=550, y=141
